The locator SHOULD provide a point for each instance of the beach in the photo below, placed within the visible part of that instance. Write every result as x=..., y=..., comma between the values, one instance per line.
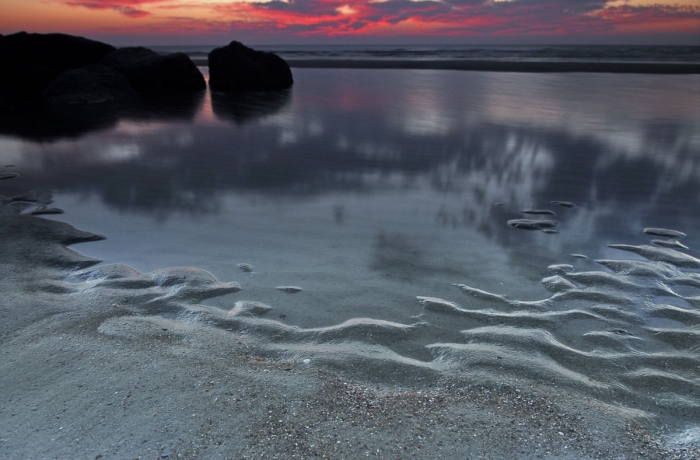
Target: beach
x=380, y=262
x=89, y=371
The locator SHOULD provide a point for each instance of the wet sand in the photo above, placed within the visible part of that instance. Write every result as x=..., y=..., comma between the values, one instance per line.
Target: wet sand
x=122, y=364
x=493, y=66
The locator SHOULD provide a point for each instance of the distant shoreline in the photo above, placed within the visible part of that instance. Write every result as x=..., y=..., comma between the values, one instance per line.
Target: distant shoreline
x=493, y=66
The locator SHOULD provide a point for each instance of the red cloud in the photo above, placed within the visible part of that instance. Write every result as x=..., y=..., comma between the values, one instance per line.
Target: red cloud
x=406, y=17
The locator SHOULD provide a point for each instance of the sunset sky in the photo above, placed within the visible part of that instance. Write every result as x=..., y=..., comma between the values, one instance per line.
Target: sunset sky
x=163, y=22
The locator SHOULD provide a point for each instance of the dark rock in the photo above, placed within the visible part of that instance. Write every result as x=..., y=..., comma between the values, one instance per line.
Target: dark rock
x=22, y=86
x=31, y=61
x=43, y=73
x=151, y=73
x=55, y=51
x=236, y=67
x=88, y=85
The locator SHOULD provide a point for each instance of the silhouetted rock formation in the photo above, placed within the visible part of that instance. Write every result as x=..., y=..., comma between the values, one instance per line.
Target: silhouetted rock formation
x=88, y=85
x=236, y=67
x=55, y=51
x=59, y=69
x=150, y=73
x=32, y=61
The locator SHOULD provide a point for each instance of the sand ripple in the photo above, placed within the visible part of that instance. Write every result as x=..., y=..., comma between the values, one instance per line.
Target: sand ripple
x=609, y=333
x=626, y=333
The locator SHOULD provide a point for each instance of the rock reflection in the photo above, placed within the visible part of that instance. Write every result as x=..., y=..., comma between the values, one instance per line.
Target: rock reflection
x=316, y=143
x=246, y=106
x=74, y=122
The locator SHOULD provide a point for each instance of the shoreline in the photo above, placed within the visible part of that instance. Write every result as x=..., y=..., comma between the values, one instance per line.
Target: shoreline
x=493, y=66
x=124, y=364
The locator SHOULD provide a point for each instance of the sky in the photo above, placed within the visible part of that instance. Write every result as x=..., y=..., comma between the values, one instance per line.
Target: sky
x=214, y=22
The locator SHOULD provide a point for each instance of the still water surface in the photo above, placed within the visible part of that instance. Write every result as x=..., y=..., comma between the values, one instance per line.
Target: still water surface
x=368, y=188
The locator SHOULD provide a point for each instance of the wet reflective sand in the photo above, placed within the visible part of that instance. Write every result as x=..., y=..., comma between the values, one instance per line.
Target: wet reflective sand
x=374, y=222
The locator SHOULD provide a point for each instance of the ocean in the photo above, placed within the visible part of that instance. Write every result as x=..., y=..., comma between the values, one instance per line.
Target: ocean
x=403, y=224
x=549, y=53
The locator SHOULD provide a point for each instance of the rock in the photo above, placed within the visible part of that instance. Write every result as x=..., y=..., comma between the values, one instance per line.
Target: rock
x=56, y=70
x=88, y=85
x=151, y=73
x=31, y=61
x=22, y=86
x=55, y=51
x=236, y=67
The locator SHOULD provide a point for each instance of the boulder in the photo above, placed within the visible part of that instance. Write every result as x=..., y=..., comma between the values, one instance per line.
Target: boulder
x=31, y=61
x=55, y=51
x=24, y=85
x=151, y=73
x=59, y=69
x=236, y=67
x=90, y=84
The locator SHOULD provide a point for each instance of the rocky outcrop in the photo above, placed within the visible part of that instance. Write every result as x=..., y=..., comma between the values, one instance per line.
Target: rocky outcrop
x=90, y=84
x=31, y=61
x=58, y=69
x=54, y=51
x=151, y=73
x=236, y=67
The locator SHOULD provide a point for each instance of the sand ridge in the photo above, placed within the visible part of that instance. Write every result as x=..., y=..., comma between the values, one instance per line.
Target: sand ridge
x=108, y=362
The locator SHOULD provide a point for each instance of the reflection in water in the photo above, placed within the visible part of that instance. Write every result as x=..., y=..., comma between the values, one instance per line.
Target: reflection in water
x=612, y=143
x=76, y=121
x=243, y=107
x=370, y=188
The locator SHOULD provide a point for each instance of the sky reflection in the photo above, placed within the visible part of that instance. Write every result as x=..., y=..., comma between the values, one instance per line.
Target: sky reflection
x=482, y=146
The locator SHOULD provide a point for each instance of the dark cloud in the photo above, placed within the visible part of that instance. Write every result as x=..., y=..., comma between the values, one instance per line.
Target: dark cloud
x=469, y=18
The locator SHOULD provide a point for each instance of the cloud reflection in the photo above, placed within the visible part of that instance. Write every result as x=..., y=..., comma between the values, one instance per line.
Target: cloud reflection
x=497, y=143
